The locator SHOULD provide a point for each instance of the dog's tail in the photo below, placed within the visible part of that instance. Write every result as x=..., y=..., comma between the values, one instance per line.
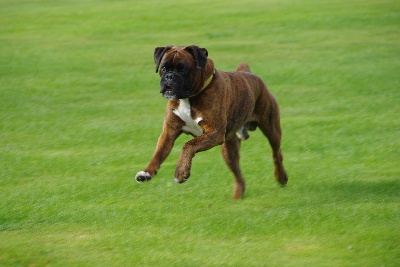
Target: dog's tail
x=243, y=67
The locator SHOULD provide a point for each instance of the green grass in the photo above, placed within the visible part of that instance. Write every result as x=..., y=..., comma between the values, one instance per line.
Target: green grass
x=80, y=114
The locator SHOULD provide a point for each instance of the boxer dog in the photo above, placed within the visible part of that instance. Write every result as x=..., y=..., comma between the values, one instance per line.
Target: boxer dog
x=216, y=108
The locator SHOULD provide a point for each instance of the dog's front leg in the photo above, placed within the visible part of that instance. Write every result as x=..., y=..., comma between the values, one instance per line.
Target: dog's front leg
x=164, y=146
x=209, y=139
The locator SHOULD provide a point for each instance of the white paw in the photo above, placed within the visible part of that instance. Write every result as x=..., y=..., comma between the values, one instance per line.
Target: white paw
x=142, y=176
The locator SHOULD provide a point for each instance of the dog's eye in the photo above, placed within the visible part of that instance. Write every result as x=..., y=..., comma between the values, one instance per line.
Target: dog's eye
x=182, y=69
x=163, y=68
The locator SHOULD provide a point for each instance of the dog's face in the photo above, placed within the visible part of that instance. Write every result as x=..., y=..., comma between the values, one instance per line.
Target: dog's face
x=180, y=70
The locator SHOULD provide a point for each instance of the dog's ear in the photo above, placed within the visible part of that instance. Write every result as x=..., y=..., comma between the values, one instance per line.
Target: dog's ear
x=200, y=55
x=159, y=53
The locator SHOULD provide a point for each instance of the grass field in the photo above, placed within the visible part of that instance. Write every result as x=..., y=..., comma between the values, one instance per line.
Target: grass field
x=80, y=114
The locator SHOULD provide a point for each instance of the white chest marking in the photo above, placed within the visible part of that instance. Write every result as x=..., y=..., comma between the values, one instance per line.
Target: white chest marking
x=183, y=112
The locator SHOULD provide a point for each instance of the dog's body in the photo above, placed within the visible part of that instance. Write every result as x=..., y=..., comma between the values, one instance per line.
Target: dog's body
x=216, y=107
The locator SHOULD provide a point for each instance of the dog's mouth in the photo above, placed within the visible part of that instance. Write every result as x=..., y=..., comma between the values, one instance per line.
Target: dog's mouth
x=168, y=93
x=168, y=89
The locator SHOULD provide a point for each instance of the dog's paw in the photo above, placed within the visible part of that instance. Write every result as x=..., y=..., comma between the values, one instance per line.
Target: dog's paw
x=143, y=176
x=179, y=181
x=181, y=177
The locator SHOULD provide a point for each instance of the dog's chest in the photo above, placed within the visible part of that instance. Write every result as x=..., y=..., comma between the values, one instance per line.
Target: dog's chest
x=192, y=125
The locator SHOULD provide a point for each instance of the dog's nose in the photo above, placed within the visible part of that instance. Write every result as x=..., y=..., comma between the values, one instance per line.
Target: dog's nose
x=168, y=76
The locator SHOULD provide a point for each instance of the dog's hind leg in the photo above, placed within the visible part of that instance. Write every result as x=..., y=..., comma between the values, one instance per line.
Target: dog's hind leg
x=230, y=151
x=272, y=130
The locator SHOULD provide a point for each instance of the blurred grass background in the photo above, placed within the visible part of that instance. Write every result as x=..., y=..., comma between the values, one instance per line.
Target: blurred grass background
x=80, y=114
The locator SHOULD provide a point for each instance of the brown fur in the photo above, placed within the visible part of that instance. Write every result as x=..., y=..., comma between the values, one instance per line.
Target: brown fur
x=231, y=100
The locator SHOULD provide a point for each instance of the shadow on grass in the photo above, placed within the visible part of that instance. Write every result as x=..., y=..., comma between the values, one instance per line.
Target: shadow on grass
x=331, y=192
x=326, y=193
x=356, y=191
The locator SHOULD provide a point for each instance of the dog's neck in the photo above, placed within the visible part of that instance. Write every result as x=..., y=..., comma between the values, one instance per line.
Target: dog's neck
x=207, y=82
x=184, y=112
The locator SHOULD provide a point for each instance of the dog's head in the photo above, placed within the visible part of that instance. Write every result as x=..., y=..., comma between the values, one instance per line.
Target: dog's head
x=183, y=70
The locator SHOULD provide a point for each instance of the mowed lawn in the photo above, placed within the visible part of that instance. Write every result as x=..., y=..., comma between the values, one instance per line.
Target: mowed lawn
x=80, y=114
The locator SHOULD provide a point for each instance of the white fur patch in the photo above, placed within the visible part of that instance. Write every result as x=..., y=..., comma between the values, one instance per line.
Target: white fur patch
x=183, y=112
x=240, y=133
